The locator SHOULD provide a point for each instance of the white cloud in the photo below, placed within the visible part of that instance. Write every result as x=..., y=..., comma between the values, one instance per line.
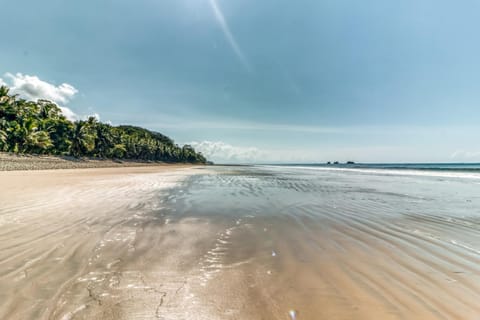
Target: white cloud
x=463, y=155
x=32, y=88
x=69, y=114
x=222, y=152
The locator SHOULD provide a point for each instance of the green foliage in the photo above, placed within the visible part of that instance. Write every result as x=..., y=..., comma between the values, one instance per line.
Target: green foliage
x=41, y=128
x=3, y=140
x=119, y=151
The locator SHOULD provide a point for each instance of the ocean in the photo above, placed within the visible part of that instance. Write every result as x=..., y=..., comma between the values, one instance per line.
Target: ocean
x=396, y=166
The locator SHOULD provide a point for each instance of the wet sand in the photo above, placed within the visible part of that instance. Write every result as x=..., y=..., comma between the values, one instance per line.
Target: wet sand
x=91, y=243
x=238, y=243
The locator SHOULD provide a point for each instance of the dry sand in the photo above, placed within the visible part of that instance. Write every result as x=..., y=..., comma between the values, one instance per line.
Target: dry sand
x=11, y=162
x=236, y=243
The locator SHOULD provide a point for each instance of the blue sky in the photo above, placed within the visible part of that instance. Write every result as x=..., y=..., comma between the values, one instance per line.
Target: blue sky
x=264, y=81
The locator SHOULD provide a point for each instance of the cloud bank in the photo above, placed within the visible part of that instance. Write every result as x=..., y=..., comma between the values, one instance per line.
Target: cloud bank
x=221, y=152
x=32, y=88
x=464, y=155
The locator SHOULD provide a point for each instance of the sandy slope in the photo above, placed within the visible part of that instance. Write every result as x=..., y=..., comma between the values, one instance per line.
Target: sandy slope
x=11, y=162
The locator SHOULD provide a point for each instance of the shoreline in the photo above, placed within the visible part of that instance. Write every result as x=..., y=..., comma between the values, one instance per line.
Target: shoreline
x=15, y=162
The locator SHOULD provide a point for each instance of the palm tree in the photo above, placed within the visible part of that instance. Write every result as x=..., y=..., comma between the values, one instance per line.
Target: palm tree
x=3, y=140
x=40, y=127
x=7, y=104
x=119, y=151
x=30, y=137
x=61, y=131
x=104, y=139
x=37, y=142
x=83, y=141
x=49, y=110
x=5, y=98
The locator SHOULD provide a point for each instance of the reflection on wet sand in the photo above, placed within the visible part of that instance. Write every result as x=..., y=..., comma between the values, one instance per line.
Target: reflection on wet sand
x=238, y=243
x=94, y=244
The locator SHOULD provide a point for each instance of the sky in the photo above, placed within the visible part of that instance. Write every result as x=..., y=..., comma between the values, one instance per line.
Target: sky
x=266, y=81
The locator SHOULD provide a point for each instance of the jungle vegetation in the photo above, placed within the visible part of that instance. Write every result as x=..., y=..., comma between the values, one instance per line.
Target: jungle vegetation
x=39, y=127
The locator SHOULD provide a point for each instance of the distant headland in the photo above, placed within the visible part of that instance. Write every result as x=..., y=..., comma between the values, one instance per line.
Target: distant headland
x=336, y=162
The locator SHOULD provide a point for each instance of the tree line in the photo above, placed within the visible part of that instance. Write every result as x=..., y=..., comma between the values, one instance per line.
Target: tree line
x=39, y=127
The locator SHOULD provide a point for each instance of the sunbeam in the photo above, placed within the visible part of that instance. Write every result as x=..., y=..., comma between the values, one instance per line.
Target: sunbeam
x=228, y=34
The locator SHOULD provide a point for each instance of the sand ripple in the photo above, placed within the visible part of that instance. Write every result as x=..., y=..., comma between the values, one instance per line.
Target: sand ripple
x=342, y=245
x=240, y=243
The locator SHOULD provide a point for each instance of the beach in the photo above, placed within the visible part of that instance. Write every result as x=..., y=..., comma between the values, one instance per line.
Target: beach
x=17, y=162
x=249, y=242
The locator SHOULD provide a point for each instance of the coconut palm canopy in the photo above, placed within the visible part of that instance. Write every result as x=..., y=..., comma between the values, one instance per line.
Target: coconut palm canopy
x=40, y=127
